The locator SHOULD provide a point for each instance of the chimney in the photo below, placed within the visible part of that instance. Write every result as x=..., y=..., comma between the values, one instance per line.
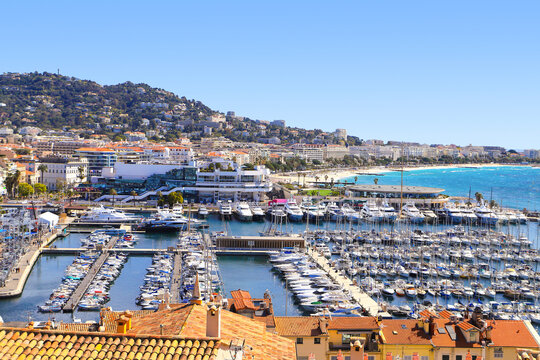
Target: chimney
x=323, y=325
x=123, y=323
x=213, y=321
x=357, y=350
x=196, y=298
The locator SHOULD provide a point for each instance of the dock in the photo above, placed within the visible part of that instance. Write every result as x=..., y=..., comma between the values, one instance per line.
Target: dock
x=175, y=280
x=79, y=292
x=363, y=299
x=15, y=282
x=143, y=252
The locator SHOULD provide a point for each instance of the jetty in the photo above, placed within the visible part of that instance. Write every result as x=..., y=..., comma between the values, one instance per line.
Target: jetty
x=15, y=281
x=144, y=252
x=175, y=280
x=363, y=299
x=79, y=292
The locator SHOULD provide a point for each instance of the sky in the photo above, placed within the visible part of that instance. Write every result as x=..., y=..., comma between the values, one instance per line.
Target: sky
x=444, y=71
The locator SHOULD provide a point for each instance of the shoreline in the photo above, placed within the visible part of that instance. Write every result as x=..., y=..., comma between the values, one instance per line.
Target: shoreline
x=340, y=174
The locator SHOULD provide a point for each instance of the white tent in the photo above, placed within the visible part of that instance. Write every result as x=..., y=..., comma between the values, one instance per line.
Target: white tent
x=49, y=219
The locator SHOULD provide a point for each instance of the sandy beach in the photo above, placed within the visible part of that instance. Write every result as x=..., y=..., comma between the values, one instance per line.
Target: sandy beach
x=339, y=174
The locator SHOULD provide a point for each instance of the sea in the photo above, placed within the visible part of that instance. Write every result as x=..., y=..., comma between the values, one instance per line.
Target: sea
x=510, y=186
x=514, y=186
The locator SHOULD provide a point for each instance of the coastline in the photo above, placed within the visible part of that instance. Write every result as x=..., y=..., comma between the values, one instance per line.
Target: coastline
x=340, y=174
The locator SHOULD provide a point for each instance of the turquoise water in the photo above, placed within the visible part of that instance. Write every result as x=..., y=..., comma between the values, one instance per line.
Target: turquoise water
x=513, y=186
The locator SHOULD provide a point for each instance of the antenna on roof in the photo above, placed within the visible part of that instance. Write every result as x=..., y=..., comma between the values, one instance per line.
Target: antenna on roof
x=58, y=71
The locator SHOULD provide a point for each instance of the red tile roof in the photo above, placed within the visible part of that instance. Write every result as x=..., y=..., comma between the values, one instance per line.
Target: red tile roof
x=242, y=300
x=398, y=332
x=297, y=326
x=353, y=323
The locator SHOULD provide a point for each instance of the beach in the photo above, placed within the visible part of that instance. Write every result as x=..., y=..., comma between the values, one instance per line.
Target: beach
x=339, y=174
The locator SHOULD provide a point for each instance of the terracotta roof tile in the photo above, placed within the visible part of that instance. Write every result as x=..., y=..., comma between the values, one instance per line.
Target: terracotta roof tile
x=403, y=332
x=353, y=323
x=26, y=344
x=297, y=326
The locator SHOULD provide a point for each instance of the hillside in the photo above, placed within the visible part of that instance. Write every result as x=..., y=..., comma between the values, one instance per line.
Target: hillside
x=51, y=101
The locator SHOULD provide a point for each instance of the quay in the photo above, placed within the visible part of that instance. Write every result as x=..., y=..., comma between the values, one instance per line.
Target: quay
x=79, y=292
x=15, y=281
x=143, y=252
x=175, y=280
x=363, y=299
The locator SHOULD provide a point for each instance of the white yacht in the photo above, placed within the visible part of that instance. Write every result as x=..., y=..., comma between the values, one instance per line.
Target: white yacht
x=388, y=212
x=243, y=212
x=412, y=213
x=258, y=213
x=225, y=209
x=467, y=215
x=453, y=214
x=108, y=215
x=350, y=214
x=312, y=212
x=293, y=211
x=168, y=220
x=202, y=213
x=486, y=216
x=333, y=212
x=371, y=212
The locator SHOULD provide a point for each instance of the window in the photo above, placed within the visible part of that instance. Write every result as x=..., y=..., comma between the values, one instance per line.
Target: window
x=498, y=353
x=459, y=357
x=446, y=357
x=371, y=357
x=299, y=340
x=407, y=357
x=346, y=339
x=474, y=357
x=425, y=358
x=317, y=340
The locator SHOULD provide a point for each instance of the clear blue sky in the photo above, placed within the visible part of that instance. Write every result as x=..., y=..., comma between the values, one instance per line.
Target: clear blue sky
x=431, y=71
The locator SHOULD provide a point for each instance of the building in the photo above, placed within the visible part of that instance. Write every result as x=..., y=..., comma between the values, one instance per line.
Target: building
x=63, y=171
x=325, y=338
x=341, y=134
x=335, y=152
x=309, y=151
x=280, y=123
x=97, y=158
x=532, y=154
x=421, y=196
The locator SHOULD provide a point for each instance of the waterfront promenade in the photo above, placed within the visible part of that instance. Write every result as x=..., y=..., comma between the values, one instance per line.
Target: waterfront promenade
x=363, y=299
x=16, y=279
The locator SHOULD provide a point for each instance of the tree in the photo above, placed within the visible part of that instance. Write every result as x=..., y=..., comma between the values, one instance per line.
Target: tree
x=40, y=189
x=375, y=181
x=42, y=169
x=81, y=173
x=113, y=193
x=479, y=197
x=355, y=179
x=175, y=198
x=25, y=190
x=133, y=193
x=12, y=182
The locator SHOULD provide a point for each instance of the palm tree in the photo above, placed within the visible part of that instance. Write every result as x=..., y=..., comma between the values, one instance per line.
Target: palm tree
x=81, y=174
x=12, y=182
x=134, y=193
x=317, y=179
x=375, y=181
x=42, y=168
x=355, y=179
x=113, y=193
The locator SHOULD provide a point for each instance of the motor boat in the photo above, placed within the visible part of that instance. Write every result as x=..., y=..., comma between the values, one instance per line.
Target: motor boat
x=293, y=211
x=225, y=209
x=243, y=212
x=485, y=215
x=108, y=215
x=412, y=213
x=168, y=220
x=453, y=214
x=371, y=212
x=388, y=212
x=202, y=213
x=258, y=213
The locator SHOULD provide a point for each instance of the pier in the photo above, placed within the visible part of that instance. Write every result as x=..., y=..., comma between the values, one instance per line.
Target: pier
x=363, y=299
x=175, y=280
x=79, y=292
x=143, y=252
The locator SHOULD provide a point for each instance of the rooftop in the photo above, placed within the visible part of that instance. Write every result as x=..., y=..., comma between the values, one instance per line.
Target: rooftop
x=396, y=189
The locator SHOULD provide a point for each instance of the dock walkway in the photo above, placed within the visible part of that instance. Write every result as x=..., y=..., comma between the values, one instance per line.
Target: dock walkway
x=79, y=292
x=175, y=280
x=15, y=281
x=363, y=299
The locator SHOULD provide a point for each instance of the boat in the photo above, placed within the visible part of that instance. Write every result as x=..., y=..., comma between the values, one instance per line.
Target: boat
x=452, y=214
x=485, y=215
x=202, y=212
x=412, y=213
x=225, y=209
x=293, y=211
x=312, y=212
x=108, y=215
x=258, y=213
x=388, y=212
x=167, y=220
x=243, y=212
x=371, y=212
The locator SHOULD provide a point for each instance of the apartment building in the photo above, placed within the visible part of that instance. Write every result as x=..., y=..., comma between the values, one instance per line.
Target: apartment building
x=63, y=171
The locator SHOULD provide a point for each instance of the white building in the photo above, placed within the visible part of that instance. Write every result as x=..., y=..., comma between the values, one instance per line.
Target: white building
x=341, y=134
x=63, y=171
